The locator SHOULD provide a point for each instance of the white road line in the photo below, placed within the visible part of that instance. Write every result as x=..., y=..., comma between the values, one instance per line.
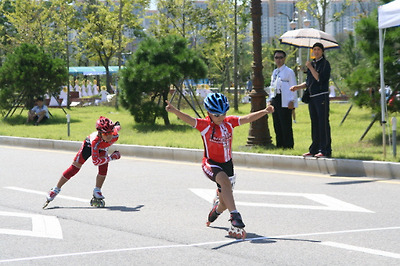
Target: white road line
x=42, y=226
x=361, y=249
x=210, y=243
x=325, y=202
x=45, y=193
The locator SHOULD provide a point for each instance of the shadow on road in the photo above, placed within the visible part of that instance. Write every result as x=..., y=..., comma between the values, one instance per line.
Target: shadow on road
x=258, y=239
x=353, y=182
x=110, y=208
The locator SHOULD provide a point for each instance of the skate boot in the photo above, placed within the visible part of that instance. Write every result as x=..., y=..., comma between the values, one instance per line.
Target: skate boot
x=98, y=199
x=51, y=195
x=236, y=230
x=213, y=215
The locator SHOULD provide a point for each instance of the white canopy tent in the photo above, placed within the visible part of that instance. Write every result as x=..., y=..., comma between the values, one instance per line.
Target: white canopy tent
x=388, y=16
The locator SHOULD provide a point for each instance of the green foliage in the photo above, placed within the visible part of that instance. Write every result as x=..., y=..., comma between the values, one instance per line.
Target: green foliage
x=156, y=65
x=102, y=30
x=364, y=80
x=210, y=31
x=29, y=72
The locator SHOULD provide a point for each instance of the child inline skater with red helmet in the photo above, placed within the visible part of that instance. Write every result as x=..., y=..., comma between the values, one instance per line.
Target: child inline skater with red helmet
x=217, y=132
x=95, y=145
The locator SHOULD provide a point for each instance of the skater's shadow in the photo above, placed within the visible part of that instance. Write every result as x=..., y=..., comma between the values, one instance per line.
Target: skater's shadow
x=110, y=208
x=258, y=239
x=124, y=208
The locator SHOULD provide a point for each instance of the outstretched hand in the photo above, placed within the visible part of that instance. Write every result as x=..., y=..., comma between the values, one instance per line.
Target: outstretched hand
x=270, y=109
x=169, y=107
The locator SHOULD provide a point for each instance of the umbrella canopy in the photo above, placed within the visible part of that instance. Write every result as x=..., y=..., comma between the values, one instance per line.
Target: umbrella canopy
x=307, y=37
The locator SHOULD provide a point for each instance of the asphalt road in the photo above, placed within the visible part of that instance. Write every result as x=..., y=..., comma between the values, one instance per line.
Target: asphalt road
x=156, y=211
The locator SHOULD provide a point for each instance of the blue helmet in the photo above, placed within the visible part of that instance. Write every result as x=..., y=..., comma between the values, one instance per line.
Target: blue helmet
x=216, y=103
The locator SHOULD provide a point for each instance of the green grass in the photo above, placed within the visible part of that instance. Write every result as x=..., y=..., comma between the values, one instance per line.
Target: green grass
x=345, y=138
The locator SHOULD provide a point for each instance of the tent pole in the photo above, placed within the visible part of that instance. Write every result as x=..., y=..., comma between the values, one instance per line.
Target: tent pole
x=383, y=93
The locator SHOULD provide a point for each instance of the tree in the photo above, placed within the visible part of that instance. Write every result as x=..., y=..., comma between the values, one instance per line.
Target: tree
x=210, y=31
x=220, y=35
x=319, y=10
x=148, y=75
x=6, y=28
x=32, y=23
x=102, y=27
x=27, y=73
x=364, y=78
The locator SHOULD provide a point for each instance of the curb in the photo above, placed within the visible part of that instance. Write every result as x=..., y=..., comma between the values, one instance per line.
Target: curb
x=330, y=166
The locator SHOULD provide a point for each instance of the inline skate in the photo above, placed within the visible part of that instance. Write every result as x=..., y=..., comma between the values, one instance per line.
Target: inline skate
x=98, y=199
x=237, y=226
x=51, y=195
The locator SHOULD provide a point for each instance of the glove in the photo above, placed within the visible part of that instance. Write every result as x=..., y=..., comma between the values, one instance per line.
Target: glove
x=115, y=155
x=117, y=126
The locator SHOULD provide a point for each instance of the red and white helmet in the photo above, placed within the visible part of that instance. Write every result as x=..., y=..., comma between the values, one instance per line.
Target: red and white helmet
x=104, y=125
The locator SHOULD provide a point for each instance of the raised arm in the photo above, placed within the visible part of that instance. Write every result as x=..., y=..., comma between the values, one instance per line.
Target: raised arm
x=256, y=115
x=298, y=87
x=184, y=117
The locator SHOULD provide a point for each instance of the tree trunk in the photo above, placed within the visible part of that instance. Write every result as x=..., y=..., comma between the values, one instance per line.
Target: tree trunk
x=165, y=113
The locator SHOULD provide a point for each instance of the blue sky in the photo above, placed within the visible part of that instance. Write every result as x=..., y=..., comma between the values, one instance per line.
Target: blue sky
x=153, y=4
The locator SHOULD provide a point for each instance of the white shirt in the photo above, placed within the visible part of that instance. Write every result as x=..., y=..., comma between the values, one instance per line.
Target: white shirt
x=281, y=80
x=38, y=109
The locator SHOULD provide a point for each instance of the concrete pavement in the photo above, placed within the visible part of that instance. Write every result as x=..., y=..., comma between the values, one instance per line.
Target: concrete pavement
x=331, y=166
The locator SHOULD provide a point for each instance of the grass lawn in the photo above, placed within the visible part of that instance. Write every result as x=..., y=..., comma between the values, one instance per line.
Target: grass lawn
x=345, y=137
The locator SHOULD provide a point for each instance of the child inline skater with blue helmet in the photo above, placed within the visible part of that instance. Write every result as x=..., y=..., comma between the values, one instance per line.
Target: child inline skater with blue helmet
x=217, y=132
x=95, y=145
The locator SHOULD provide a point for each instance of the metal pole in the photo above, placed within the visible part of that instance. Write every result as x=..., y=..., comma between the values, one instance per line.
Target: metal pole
x=394, y=126
x=383, y=94
x=119, y=52
x=235, y=62
x=68, y=123
x=68, y=83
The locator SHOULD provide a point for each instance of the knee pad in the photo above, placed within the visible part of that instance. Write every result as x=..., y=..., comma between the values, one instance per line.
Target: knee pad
x=71, y=171
x=103, y=169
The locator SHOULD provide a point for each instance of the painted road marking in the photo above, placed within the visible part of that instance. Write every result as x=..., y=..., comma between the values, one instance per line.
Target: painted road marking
x=361, y=249
x=223, y=242
x=42, y=226
x=45, y=194
x=327, y=203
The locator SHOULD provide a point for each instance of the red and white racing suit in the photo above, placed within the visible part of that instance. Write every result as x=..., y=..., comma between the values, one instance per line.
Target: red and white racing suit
x=96, y=147
x=217, y=140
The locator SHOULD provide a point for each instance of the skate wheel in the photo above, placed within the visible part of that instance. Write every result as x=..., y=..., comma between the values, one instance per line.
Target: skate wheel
x=238, y=233
x=98, y=203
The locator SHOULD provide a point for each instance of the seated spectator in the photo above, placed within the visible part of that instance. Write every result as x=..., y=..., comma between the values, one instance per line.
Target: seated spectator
x=38, y=113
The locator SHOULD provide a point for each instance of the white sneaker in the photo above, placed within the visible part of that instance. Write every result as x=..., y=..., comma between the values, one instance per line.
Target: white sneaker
x=97, y=193
x=53, y=193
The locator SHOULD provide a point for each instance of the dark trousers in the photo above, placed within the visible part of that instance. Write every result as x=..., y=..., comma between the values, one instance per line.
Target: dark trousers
x=320, y=128
x=282, y=117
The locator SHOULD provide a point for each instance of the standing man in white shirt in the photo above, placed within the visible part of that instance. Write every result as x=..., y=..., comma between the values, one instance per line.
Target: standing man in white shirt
x=283, y=100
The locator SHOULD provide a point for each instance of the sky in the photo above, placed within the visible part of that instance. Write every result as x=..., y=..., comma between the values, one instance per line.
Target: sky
x=153, y=4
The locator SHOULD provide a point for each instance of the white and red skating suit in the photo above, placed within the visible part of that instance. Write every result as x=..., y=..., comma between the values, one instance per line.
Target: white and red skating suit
x=217, y=139
x=96, y=147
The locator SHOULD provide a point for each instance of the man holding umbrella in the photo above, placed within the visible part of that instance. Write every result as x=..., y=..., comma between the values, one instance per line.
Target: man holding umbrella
x=317, y=84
